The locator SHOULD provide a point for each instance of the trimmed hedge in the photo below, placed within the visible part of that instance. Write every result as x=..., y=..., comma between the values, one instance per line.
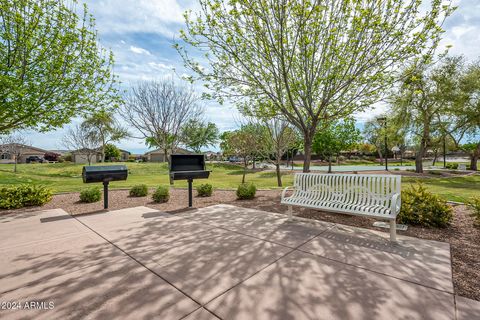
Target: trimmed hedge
x=246, y=191
x=205, y=190
x=162, y=194
x=90, y=195
x=24, y=195
x=423, y=208
x=140, y=190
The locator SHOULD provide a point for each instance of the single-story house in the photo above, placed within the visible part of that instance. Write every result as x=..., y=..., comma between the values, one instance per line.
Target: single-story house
x=212, y=155
x=159, y=156
x=124, y=155
x=7, y=152
x=81, y=155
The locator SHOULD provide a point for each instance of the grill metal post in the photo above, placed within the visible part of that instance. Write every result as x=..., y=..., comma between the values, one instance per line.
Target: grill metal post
x=105, y=194
x=190, y=200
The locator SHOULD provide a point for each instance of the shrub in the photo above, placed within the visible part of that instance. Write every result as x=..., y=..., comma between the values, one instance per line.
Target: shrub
x=474, y=205
x=420, y=207
x=451, y=166
x=140, y=190
x=90, y=195
x=246, y=191
x=24, y=195
x=205, y=190
x=162, y=194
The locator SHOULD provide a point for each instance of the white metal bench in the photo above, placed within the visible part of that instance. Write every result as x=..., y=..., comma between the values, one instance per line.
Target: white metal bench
x=376, y=196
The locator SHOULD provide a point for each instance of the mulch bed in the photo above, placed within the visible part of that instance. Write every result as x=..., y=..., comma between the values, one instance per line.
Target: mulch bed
x=463, y=237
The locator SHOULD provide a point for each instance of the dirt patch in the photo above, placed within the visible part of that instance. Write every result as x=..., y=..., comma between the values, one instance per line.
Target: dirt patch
x=463, y=237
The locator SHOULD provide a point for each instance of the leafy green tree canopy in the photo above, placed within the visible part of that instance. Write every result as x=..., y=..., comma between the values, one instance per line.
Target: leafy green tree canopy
x=103, y=127
x=312, y=60
x=52, y=67
x=112, y=152
x=197, y=134
x=332, y=138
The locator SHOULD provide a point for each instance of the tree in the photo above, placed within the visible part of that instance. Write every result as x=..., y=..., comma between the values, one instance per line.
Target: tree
x=313, y=61
x=158, y=110
x=420, y=100
x=105, y=128
x=374, y=134
x=280, y=137
x=15, y=146
x=473, y=149
x=80, y=139
x=242, y=143
x=112, y=152
x=52, y=67
x=332, y=138
x=197, y=134
x=465, y=111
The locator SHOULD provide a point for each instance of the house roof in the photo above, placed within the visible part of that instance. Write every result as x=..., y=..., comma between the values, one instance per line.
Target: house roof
x=177, y=150
x=25, y=146
x=83, y=150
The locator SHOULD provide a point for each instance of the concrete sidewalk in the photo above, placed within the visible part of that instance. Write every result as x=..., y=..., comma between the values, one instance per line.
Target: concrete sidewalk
x=217, y=262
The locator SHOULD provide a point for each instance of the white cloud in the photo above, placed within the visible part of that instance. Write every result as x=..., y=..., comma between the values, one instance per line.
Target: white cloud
x=160, y=66
x=153, y=16
x=140, y=50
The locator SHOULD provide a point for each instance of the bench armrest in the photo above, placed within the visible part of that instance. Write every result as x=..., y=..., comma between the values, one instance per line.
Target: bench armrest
x=285, y=191
x=396, y=203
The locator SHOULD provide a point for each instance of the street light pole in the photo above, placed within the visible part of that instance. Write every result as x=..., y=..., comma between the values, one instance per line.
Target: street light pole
x=386, y=146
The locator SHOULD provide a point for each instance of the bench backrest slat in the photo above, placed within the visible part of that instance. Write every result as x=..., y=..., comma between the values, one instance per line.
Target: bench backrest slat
x=368, y=190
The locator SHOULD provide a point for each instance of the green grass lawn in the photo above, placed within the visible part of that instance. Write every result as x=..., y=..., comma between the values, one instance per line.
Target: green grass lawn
x=66, y=177
x=451, y=188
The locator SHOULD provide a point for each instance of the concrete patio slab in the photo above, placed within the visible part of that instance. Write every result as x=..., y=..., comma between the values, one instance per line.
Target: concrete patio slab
x=259, y=224
x=467, y=309
x=201, y=314
x=211, y=263
x=304, y=286
x=417, y=260
x=220, y=261
x=145, y=231
x=124, y=290
x=28, y=264
x=46, y=226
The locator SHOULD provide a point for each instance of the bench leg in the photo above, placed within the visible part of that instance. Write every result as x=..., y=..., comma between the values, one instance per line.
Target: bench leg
x=290, y=212
x=393, y=231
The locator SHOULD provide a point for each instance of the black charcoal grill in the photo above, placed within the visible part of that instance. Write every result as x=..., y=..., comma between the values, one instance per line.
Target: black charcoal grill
x=188, y=167
x=104, y=174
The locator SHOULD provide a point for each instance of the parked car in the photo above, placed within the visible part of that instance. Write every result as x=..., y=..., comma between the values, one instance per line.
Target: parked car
x=34, y=159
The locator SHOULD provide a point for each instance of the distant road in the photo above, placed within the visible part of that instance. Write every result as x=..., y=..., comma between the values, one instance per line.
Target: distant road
x=355, y=168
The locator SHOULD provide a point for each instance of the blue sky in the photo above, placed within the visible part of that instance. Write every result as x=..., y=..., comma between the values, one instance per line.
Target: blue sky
x=141, y=32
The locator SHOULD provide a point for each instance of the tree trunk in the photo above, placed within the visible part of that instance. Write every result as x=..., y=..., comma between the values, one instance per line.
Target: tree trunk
x=15, y=165
x=419, y=158
x=474, y=158
x=379, y=150
x=245, y=163
x=435, y=157
x=307, y=149
x=103, y=152
x=329, y=164
x=165, y=156
x=279, y=174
